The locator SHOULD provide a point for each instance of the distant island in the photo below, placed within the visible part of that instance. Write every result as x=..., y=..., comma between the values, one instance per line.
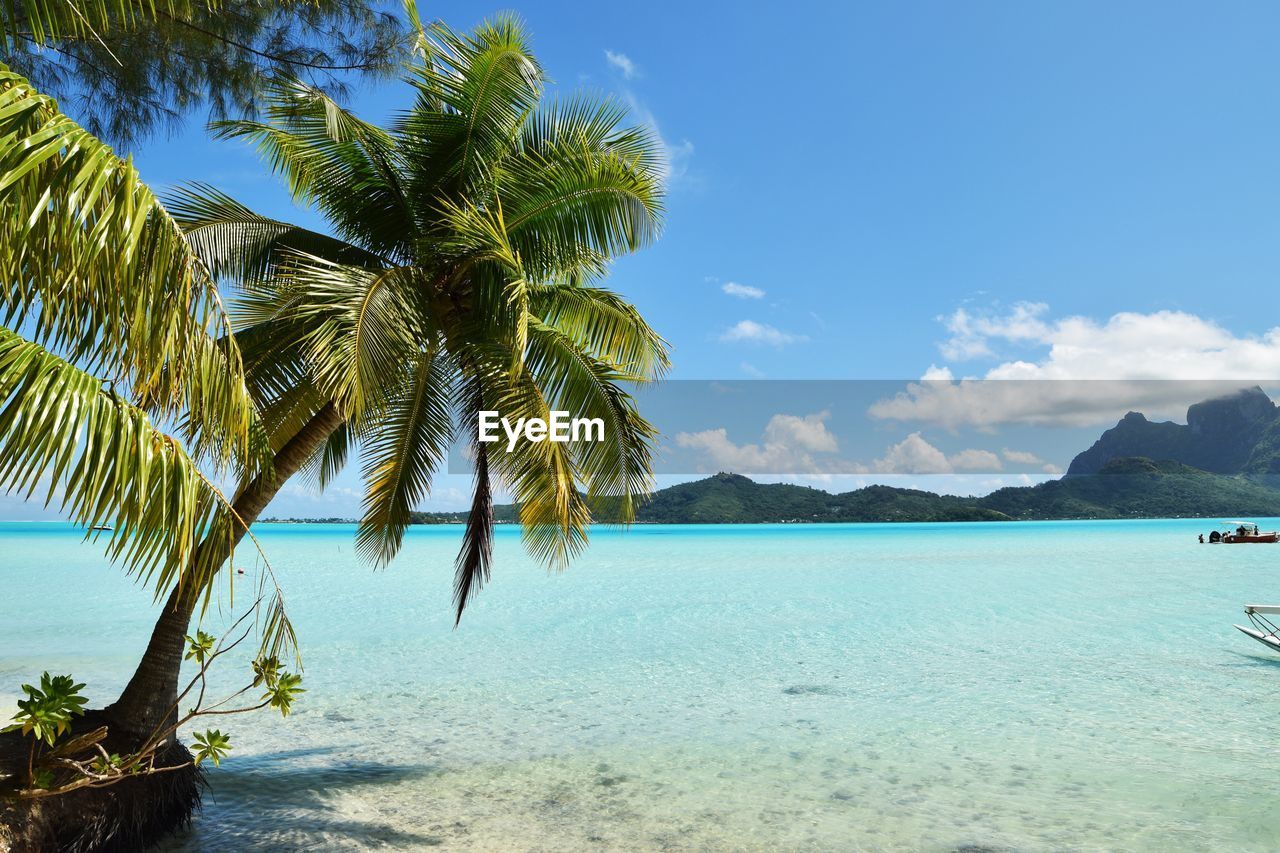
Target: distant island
x=1131, y=487
x=1222, y=463
x=328, y=520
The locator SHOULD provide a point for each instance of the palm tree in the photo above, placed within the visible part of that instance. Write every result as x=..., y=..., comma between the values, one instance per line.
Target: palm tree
x=458, y=277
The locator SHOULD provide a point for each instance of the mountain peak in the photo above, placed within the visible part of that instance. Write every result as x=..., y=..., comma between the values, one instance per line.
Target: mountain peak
x=1230, y=412
x=1220, y=435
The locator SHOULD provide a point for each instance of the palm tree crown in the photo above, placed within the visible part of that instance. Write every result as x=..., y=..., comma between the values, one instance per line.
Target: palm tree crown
x=459, y=276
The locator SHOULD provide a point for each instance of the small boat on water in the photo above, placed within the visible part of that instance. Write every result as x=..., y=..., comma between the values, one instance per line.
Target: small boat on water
x=1242, y=532
x=102, y=527
x=1264, y=630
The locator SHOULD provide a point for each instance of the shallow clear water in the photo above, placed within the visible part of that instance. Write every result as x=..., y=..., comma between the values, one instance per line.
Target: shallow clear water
x=1070, y=685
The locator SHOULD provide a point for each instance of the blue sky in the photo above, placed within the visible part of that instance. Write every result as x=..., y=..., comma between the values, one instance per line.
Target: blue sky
x=889, y=190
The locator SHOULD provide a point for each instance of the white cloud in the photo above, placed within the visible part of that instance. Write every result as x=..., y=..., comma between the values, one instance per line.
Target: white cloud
x=937, y=374
x=751, y=370
x=913, y=455
x=1023, y=457
x=15, y=506
x=623, y=63
x=742, y=291
x=1128, y=349
x=986, y=404
x=331, y=495
x=970, y=334
x=749, y=331
x=786, y=446
x=802, y=445
x=676, y=156
x=808, y=432
x=975, y=460
x=1128, y=345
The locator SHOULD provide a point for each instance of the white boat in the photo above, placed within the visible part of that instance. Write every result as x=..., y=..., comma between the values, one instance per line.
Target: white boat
x=1264, y=630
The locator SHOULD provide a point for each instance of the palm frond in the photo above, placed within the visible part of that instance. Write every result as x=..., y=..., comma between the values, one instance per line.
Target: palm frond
x=620, y=465
x=364, y=326
x=474, y=94
x=581, y=197
x=102, y=461
x=605, y=325
x=330, y=459
x=542, y=477
x=46, y=21
x=402, y=452
x=94, y=266
x=474, y=564
x=500, y=288
x=236, y=243
x=347, y=167
x=583, y=122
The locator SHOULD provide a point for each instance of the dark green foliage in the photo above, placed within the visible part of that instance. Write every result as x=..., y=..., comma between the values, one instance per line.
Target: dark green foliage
x=1264, y=456
x=732, y=498
x=1136, y=487
x=137, y=72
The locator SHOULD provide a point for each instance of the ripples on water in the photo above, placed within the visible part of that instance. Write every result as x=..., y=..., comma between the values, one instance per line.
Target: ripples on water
x=1029, y=686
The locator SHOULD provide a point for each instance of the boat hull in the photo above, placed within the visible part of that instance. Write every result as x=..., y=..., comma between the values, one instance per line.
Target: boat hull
x=1268, y=640
x=1251, y=538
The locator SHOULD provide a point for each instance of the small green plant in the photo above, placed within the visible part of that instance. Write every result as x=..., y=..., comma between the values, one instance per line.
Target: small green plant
x=282, y=691
x=213, y=745
x=266, y=670
x=200, y=647
x=58, y=764
x=42, y=779
x=105, y=764
x=47, y=711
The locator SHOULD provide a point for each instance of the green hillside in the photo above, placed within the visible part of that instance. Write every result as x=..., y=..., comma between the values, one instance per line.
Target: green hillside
x=732, y=498
x=1135, y=487
x=1132, y=487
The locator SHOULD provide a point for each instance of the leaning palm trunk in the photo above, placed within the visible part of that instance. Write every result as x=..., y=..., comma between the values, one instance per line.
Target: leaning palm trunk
x=149, y=701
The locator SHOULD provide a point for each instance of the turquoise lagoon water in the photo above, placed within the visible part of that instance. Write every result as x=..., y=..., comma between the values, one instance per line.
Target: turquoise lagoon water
x=1024, y=686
